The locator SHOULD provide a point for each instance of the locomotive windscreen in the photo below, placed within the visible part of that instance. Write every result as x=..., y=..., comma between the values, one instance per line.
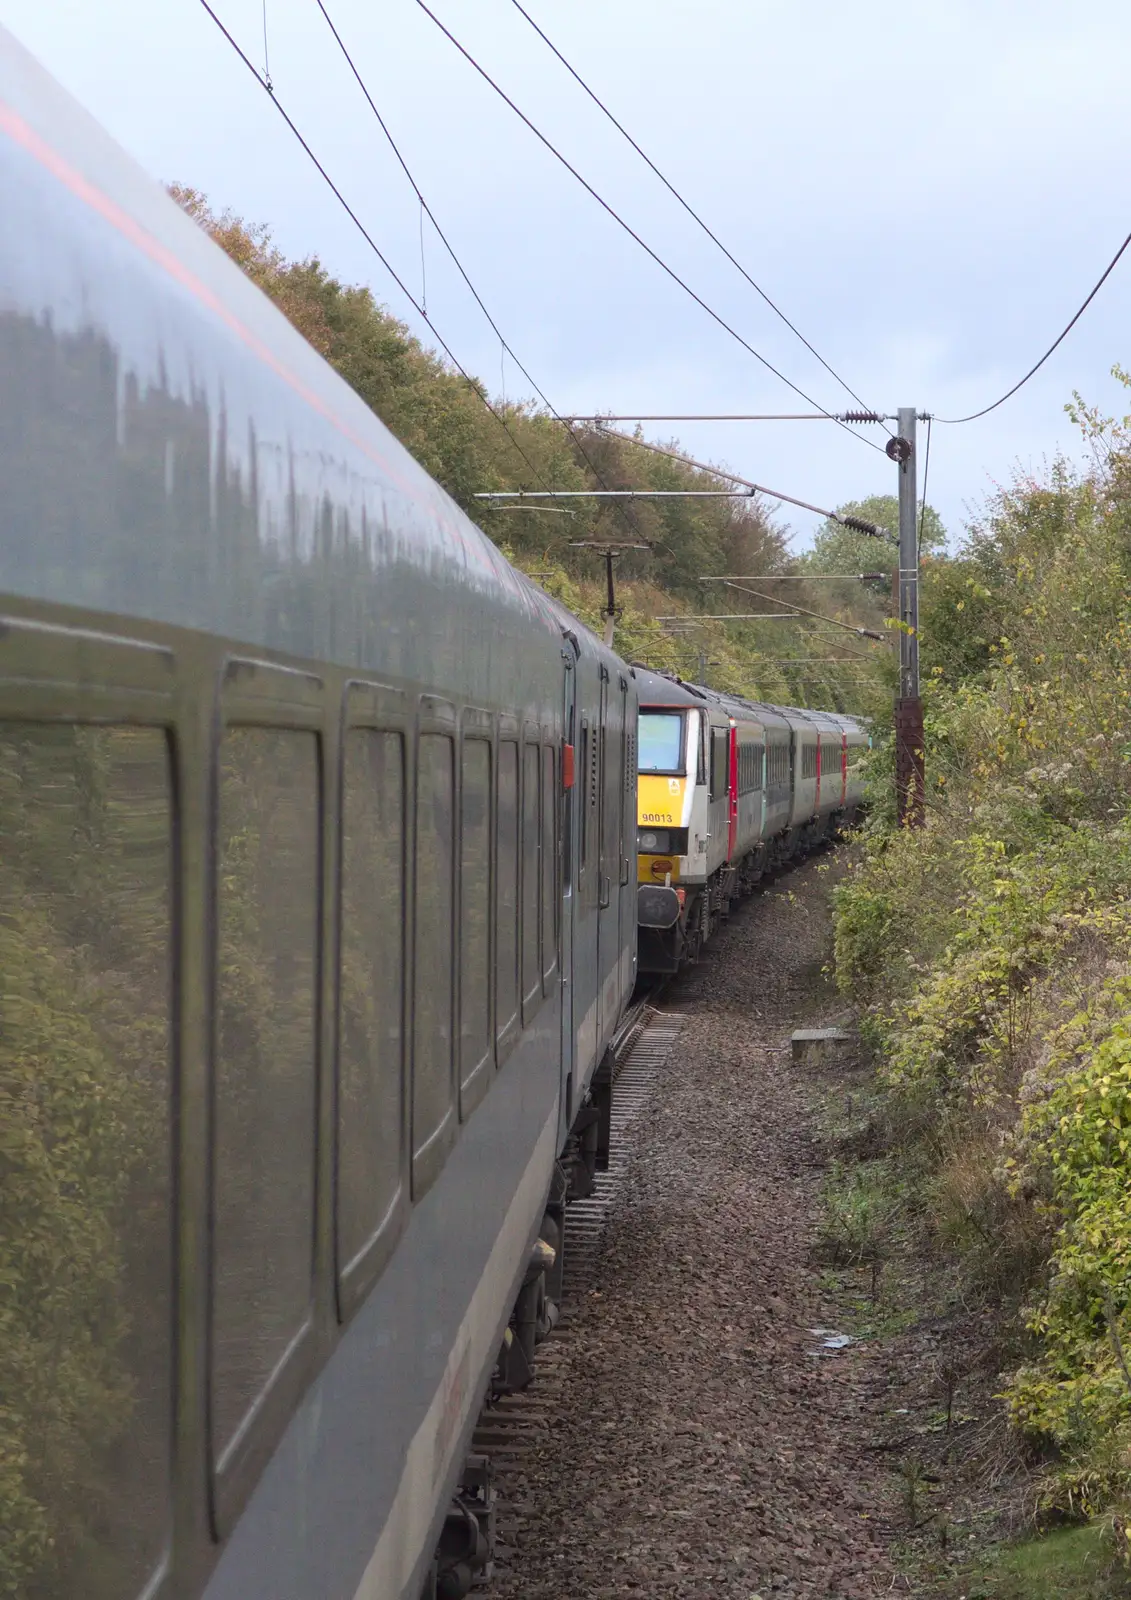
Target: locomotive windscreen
x=660, y=735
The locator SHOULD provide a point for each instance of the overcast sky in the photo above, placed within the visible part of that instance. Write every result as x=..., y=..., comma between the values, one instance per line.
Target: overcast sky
x=927, y=191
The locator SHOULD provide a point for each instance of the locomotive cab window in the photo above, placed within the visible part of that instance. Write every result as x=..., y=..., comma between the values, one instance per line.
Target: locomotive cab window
x=660, y=739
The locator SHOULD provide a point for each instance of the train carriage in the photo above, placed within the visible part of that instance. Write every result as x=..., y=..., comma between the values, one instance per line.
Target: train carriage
x=315, y=916
x=779, y=779
x=830, y=767
x=856, y=744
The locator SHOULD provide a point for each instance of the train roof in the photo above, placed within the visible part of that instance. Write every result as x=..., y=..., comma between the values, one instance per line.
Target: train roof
x=658, y=689
x=264, y=501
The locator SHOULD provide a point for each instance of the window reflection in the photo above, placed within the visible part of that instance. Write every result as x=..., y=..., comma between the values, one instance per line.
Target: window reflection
x=432, y=1010
x=506, y=890
x=370, y=1085
x=85, y=1224
x=475, y=906
x=265, y=1072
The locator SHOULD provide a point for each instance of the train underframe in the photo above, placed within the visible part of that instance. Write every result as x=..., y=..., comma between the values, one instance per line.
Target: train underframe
x=466, y=1550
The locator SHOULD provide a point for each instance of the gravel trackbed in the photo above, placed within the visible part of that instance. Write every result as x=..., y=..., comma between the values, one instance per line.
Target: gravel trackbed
x=703, y=1443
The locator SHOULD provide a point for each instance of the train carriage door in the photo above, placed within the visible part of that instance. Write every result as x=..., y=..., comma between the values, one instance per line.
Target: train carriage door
x=843, y=769
x=732, y=792
x=627, y=892
x=818, y=762
x=603, y=875
x=568, y=845
x=612, y=807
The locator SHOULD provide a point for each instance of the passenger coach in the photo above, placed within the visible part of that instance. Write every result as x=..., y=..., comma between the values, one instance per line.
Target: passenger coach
x=317, y=917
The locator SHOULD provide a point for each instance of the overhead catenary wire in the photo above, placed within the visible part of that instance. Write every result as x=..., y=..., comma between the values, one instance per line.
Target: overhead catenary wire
x=850, y=627
x=426, y=210
x=370, y=241
x=923, y=502
x=1037, y=365
x=627, y=227
x=615, y=494
x=858, y=524
x=730, y=416
x=691, y=212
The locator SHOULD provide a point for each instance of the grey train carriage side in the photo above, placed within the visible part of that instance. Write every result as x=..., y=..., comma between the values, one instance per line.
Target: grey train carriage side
x=312, y=951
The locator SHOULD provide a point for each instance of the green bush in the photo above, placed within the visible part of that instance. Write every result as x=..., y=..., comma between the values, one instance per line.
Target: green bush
x=990, y=951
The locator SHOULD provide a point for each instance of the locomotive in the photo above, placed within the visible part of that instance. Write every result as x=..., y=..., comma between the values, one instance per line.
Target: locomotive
x=318, y=918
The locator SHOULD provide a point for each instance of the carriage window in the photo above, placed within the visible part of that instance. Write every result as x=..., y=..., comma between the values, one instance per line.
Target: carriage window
x=85, y=1207
x=531, y=871
x=718, y=763
x=549, y=861
x=432, y=961
x=506, y=890
x=370, y=1084
x=265, y=1075
x=475, y=906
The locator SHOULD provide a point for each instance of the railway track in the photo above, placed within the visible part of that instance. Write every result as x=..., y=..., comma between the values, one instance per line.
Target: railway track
x=514, y=1426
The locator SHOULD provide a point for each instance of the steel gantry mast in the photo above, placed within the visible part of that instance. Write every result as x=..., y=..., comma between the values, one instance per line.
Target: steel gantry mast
x=909, y=763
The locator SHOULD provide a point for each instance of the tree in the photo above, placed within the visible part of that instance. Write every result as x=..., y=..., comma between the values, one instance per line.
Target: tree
x=840, y=549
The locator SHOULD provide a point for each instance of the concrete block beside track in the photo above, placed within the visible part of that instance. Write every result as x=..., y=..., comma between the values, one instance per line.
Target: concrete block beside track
x=820, y=1047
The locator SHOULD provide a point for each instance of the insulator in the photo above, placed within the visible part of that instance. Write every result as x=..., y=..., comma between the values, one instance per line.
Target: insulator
x=861, y=416
x=859, y=525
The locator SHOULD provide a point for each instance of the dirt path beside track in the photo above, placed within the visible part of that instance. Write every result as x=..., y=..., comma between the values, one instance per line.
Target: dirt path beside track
x=706, y=1445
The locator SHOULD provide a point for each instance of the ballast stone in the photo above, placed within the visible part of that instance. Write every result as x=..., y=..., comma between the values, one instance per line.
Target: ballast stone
x=819, y=1047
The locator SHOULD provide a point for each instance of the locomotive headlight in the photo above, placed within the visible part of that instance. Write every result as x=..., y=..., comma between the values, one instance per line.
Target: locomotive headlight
x=653, y=842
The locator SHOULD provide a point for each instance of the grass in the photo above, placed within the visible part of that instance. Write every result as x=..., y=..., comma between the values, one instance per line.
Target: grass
x=1070, y=1564
x=858, y=1212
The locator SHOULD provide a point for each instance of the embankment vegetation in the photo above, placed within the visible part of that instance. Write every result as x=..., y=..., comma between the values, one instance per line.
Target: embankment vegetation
x=990, y=954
